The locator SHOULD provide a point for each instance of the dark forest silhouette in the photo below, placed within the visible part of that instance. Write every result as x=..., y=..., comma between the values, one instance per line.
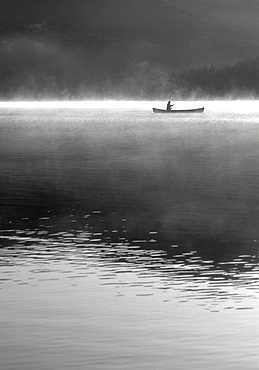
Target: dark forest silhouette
x=43, y=78
x=238, y=81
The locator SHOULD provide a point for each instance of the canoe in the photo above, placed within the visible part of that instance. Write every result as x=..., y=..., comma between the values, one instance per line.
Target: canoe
x=196, y=110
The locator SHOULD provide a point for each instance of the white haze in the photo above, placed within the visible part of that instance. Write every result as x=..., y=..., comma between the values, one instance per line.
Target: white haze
x=241, y=106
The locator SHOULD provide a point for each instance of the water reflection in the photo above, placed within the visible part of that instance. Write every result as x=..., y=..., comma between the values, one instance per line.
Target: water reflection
x=86, y=243
x=122, y=233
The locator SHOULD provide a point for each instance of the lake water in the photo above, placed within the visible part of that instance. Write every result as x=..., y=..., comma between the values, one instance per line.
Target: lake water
x=129, y=240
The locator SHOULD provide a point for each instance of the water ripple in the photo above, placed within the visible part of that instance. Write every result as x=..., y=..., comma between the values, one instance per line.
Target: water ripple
x=141, y=263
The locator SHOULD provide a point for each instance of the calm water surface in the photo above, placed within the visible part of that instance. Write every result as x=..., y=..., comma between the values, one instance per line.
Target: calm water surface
x=129, y=240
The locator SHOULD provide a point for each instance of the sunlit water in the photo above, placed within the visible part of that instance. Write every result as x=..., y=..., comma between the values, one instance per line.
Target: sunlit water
x=129, y=239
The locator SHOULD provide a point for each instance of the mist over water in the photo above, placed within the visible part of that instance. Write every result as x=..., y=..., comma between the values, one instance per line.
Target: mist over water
x=192, y=179
x=112, y=214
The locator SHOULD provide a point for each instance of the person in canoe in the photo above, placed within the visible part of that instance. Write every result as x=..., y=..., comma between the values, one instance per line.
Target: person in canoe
x=169, y=105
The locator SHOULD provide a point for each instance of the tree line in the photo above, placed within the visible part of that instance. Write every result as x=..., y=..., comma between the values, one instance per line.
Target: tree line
x=39, y=70
x=237, y=81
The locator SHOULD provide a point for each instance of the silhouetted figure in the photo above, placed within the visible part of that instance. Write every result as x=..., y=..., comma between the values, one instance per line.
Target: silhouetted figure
x=169, y=105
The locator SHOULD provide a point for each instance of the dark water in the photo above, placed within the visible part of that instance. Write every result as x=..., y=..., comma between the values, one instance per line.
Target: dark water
x=158, y=213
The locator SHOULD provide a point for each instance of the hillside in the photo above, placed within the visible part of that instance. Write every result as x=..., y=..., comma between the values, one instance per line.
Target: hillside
x=237, y=81
x=111, y=48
